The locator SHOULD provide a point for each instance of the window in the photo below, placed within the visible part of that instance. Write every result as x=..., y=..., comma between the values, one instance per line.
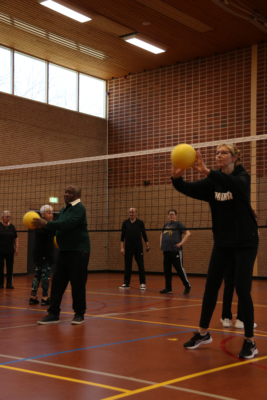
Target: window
x=92, y=96
x=5, y=70
x=63, y=87
x=30, y=77
x=39, y=80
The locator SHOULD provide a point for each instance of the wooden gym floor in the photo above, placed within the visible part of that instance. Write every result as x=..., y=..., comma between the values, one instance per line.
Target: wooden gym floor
x=130, y=346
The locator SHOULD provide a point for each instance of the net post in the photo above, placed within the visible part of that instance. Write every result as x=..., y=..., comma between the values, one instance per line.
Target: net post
x=253, y=132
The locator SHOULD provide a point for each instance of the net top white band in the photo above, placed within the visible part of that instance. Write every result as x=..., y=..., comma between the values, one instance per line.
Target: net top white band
x=134, y=153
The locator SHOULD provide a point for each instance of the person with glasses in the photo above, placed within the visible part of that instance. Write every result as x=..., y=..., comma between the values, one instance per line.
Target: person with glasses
x=235, y=233
x=9, y=245
x=174, y=235
x=131, y=237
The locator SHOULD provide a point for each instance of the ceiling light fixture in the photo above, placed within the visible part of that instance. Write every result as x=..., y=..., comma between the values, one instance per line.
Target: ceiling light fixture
x=53, y=5
x=137, y=40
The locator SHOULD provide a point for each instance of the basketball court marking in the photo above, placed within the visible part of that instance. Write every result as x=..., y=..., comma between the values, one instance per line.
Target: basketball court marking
x=123, y=377
x=63, y=378
x=96, y=346
x=184, y=378
x=150, y=309
x=106, y=316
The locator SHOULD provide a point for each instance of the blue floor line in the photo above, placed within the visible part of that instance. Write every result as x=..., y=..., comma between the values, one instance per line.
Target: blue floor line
x=94, y=347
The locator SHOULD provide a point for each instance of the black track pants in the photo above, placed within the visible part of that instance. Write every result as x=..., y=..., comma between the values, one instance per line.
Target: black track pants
x=176, y=259
x=137, y=253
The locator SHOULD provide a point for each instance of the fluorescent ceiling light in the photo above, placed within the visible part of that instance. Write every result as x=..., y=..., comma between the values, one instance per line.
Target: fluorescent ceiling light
x=65, y=11
x=141, y=43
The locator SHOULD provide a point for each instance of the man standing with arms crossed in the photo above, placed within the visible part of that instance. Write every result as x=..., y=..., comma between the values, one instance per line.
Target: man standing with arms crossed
x=171, y=244
x=131, y=232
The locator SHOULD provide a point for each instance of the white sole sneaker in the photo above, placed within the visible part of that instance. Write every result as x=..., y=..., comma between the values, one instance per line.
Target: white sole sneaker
x=227, y=323
x=240, y=325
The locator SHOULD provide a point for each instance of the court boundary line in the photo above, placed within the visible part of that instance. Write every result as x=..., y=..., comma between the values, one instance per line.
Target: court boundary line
x=64, y=378
x=184, y=378
x=147, y=322
x=123, y=378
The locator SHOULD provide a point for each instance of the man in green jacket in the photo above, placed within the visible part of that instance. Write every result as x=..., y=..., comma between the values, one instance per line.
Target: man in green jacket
x=72, y=262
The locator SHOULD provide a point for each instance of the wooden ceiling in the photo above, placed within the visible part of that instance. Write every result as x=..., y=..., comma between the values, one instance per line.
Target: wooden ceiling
x=188, y=29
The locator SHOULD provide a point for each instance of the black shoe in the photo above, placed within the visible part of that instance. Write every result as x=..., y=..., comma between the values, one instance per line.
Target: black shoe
x=77, y=320
x=9, y=286
x=45, y=302
x=197, y=340
x=166, y=291
x=33, y=301
x=49, y=319
x=124, y=286
x=249, y=349
x=187, y=289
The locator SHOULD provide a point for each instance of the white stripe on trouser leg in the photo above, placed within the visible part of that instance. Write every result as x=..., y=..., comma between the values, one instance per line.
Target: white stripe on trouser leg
x=181, y=263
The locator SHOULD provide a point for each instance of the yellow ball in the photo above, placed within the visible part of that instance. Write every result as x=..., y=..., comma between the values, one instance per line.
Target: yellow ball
x=28, y=219
x=55, y=242
x=183, y=156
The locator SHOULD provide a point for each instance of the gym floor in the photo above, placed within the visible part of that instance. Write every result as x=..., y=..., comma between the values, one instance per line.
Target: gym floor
x=130, y=346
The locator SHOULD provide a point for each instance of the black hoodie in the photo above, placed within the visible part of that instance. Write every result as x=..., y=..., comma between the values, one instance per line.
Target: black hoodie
x=233, y=222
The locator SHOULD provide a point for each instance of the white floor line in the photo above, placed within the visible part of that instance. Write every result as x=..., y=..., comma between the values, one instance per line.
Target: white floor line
x=149, y=310
x=15, y=327
x=214, y=396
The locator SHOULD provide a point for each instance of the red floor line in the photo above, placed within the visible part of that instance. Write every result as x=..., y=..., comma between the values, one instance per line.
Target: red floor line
x=224, y=349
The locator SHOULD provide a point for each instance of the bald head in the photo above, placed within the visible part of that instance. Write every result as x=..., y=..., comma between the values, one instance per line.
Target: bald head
x=72, y=193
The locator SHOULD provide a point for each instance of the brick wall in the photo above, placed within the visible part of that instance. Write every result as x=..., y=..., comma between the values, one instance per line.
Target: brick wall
x=199, y=101
x=33, y=132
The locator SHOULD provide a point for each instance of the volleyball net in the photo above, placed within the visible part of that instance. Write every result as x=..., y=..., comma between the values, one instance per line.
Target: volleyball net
x=112, y=184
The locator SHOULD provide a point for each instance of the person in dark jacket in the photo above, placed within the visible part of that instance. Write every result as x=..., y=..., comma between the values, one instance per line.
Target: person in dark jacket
x=73, y=258
x=9, y=244
x=131, y=232
x=43, y=257
x=235, y=237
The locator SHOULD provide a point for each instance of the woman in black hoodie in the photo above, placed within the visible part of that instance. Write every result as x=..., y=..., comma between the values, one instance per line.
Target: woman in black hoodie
x=234, y=226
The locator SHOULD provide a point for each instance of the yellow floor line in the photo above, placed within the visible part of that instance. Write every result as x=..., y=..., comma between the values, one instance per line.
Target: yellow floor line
x=139, y=320
x=65, y=378
x=167, y=324
x=184, y=378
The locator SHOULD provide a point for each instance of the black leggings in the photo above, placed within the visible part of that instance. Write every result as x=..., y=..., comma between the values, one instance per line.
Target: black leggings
x=229, y=287
x=221, y=258
x=9, y=267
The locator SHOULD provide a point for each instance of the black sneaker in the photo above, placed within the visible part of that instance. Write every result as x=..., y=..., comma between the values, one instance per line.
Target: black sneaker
x=197, y=340
x=166, y=291
x=9, y=286
x=33, y=301
x=49, y=319
x=45, y=302
x=124, y=286
x=77, y=320
x=249, y=349
x=187, y=289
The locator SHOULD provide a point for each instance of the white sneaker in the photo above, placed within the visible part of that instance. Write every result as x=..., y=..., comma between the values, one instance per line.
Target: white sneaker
x=124, y=286
x=142, y=286
x=227, y=323
x=240, y=325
